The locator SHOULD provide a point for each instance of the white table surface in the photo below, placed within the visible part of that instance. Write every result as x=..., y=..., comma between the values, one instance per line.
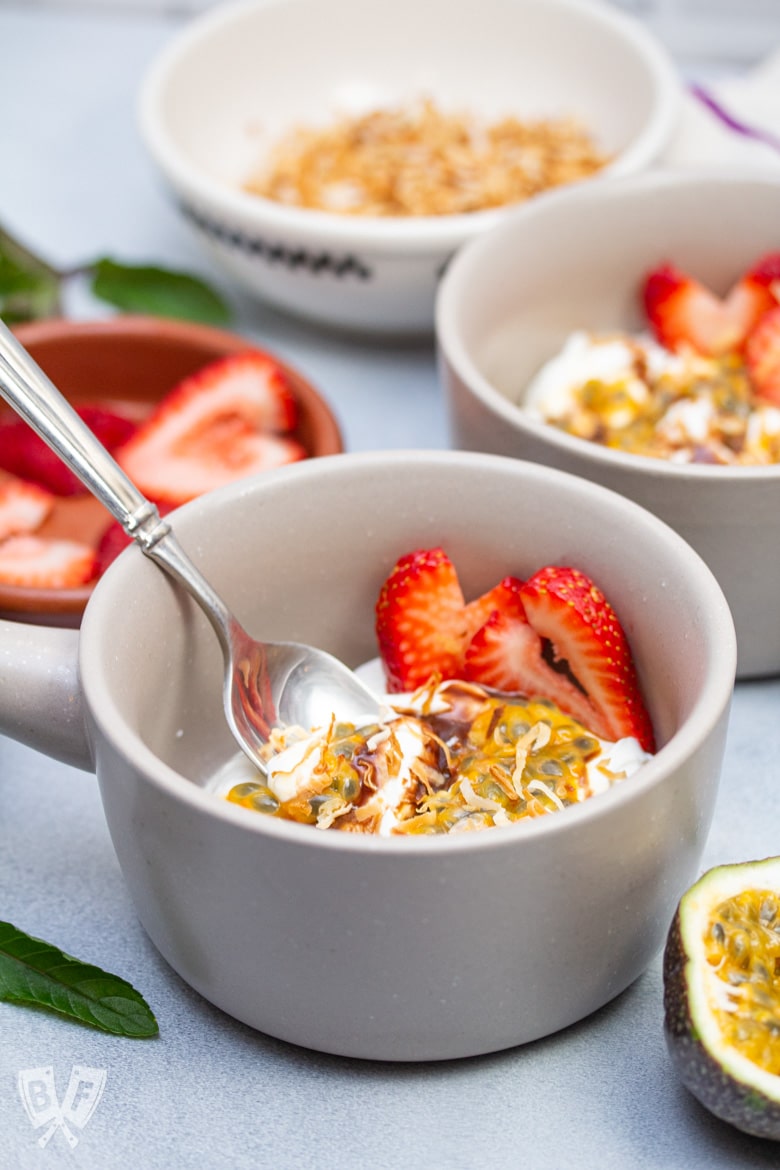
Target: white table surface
x=210, y=1092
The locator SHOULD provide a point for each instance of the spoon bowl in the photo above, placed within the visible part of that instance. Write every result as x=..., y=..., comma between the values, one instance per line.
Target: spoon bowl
x=265, y=684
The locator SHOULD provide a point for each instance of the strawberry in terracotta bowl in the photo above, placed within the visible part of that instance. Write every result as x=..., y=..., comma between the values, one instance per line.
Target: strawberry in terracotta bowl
x=183, y=408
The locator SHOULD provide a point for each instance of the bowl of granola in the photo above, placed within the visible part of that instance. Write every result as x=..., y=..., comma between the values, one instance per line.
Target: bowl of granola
x=335, y=173
x=630, y=334
x=492, y=862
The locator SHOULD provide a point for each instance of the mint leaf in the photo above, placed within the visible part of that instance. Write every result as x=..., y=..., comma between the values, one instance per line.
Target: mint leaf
x=29, y=288
x=33, y=972
x=158, y=291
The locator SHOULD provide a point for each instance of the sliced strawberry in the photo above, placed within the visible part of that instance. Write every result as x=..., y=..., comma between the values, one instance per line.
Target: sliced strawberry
x=420, y=620
x=34, y=563
x=113, y=541
x=112, y=429
x=508, y=655
x=23, y=507
x=765, y=276
x=24, y=454
x=565, y=607
x=219, y=425
x=684, y=314
x=503, y=598
x=762, y=356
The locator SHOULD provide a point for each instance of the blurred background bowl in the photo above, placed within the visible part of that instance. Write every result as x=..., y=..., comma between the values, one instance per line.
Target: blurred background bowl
x=576, y=260
x=128, y=364
x=238, y=78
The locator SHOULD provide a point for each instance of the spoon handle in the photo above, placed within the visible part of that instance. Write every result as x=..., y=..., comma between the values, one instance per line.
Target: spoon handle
x=32, y=395
x=35, y=397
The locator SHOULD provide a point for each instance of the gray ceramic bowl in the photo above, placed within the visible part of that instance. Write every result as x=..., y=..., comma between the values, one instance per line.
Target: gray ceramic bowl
x=399, y=948
x=574, y=260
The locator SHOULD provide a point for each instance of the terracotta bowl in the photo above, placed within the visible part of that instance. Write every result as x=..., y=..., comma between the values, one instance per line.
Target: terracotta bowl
x=131, y=363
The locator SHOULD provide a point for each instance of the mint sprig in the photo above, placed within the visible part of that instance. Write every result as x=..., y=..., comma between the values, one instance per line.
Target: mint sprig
x=31, y=288
x=35, y=973
x=149, y=289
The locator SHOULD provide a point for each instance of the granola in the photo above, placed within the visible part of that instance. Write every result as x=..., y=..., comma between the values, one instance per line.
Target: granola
x=419, y=160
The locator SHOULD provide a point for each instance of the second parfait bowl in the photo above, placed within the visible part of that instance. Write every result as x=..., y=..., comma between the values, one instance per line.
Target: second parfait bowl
x=576, y=262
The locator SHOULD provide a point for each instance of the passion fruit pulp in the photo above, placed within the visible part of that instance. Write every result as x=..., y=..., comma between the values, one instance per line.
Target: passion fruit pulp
x=722, y=994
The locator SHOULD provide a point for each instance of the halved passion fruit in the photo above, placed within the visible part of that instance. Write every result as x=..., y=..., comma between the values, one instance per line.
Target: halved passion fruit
x=722, y=994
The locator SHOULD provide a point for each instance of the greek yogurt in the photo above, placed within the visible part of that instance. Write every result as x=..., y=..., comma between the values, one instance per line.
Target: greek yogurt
x=451, y=758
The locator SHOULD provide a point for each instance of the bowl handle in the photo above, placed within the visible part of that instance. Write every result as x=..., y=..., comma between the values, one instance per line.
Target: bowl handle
x=41, y=702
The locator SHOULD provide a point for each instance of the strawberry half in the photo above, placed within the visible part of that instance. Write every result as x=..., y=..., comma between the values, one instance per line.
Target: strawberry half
x=507, y=654
x=762, y=356
x=685, y=314
x=420, y=620
x=30, y=562
x=24, y=454
x=565, y=607
x=221, y=424
x=503, y=598
x=23, y=507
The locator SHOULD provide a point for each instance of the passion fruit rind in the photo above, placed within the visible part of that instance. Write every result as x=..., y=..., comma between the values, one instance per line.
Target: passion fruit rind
x=710, y=1075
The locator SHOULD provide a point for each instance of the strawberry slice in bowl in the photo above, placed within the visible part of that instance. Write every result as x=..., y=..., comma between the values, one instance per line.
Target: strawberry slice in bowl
x=227, y=421
x=421, y=620
x=762, y=356
x=554, y=636
x=684, y=313
x=24, y=454
x=23, y=507
x=565, y=607
x=35, y=562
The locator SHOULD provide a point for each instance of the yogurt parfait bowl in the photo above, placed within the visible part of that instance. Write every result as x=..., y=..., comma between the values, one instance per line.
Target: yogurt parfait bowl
x=636, y=257
x=416, y=946
x=331, y=155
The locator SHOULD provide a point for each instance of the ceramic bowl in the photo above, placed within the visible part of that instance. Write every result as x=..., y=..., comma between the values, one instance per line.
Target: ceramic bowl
x=234, y=81
x=130, y=363
x=393, y=948
x=575, y=261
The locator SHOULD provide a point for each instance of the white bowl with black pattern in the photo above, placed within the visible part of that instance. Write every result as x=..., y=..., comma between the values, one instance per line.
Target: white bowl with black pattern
x=235, y=80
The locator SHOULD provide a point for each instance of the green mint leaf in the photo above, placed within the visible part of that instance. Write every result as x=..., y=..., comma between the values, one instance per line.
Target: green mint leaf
x=34, y=973
x=157, y=291
x=29, y=288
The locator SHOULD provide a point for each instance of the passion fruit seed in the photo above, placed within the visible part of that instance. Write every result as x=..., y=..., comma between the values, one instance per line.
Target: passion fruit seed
x=505, y=779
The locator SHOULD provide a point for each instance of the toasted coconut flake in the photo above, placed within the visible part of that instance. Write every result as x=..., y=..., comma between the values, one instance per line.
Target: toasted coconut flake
x=544, y=789
x=379, y=737
x=330, y=810
x=474, y=800
x=507, y=784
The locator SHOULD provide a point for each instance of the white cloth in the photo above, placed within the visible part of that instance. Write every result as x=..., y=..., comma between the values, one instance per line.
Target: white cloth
x=754, y=100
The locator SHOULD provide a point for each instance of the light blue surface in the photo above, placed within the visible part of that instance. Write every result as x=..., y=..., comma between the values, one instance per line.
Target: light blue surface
x=209, y=1092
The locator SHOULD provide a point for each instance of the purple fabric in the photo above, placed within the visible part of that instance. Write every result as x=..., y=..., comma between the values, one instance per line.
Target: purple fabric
x=735, y=124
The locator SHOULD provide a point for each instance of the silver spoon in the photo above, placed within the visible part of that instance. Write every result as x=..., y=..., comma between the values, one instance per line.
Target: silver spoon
x=266, y=684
